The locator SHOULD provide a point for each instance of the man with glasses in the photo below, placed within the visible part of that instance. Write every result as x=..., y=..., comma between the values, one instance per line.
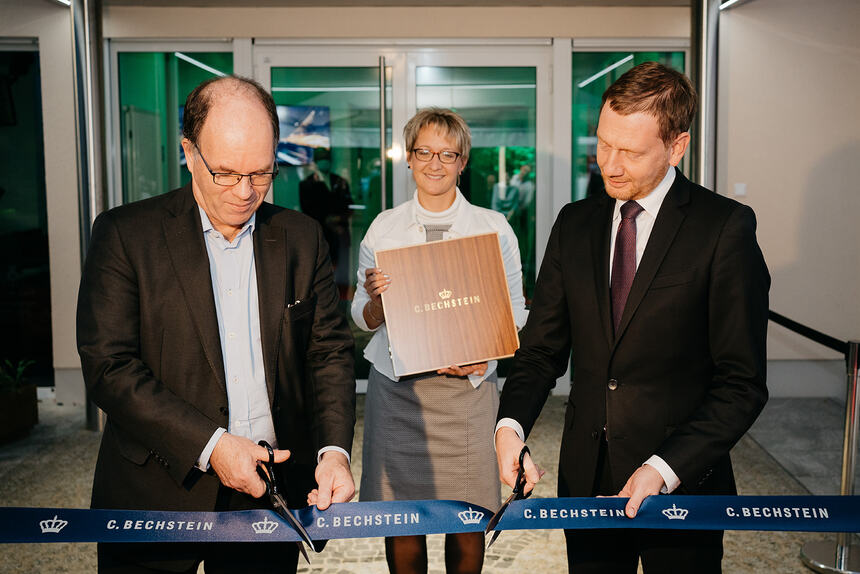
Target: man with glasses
x=207, y=321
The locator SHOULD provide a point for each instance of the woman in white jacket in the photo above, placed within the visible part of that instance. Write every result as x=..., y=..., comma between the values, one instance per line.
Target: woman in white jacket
x=429, y=436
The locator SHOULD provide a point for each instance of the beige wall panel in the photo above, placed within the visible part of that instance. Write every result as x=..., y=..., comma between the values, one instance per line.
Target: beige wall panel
x=790, y=130
x=399, y=22
x=51, y=25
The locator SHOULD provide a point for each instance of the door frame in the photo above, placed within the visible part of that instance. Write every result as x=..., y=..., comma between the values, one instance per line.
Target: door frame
x=239, y=47
x=272, y=54
x=551, y=58
x=403, y=58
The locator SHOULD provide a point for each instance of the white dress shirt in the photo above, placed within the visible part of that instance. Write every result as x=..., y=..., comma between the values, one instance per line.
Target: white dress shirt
x=402, y=226
x=651, y=204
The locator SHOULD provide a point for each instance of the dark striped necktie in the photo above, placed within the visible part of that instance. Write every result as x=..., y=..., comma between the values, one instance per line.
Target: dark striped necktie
x=624, y=260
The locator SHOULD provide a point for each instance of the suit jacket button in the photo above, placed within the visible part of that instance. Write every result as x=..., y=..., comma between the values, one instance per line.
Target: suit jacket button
x=613, y=384
x=223, y=410
x=594, y=435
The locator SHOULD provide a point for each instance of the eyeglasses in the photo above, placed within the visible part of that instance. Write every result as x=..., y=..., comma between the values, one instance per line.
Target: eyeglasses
x=423, y=154
x=228, y=179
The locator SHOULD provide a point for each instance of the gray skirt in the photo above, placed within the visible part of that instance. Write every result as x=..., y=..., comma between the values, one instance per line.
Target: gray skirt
x=430, y=437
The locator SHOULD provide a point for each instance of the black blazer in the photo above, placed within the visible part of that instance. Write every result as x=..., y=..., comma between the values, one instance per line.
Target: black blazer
x=149, y=344
x=684, y=377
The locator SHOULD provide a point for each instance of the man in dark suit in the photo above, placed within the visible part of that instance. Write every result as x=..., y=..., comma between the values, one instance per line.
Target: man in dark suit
x=659, y=291
x=207, y=320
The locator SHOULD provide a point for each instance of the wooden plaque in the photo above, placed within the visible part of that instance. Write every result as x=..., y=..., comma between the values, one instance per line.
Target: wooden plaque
x=448, y=304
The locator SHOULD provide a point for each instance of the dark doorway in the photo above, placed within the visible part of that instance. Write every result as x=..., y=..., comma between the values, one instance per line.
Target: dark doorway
x=25, y=296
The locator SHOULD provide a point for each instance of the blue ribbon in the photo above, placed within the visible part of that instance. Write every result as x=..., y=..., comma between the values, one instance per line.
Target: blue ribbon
x=415, y=517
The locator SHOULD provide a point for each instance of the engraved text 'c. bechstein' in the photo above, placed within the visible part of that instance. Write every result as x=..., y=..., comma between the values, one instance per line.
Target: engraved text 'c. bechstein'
x=446, y=301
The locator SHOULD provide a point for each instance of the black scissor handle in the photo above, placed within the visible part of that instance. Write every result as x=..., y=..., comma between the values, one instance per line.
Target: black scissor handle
x=266, y=470
x=520, y=486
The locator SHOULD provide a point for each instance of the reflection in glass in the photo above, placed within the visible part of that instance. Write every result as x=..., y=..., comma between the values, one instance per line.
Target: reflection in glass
x=499, y=104
x=152, y=91
x=593, y=73
x=329, y=161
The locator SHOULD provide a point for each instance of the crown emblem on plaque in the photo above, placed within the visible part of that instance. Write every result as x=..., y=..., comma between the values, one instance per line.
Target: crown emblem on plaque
x=52, y=525
x=264, y=526
x=470, y=516
x=675, y=513
x=445, y=293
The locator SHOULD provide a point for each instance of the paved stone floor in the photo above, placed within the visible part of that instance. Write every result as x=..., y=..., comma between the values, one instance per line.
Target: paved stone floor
x=805, y=437
x=53, y=466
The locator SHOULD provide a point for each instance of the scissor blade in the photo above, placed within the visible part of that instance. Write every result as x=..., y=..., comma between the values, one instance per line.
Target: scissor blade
x=493, y=539
x=281, y=508
x=498, y=515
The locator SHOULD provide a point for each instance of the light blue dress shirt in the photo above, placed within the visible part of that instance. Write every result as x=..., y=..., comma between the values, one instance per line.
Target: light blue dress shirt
x=234, y=283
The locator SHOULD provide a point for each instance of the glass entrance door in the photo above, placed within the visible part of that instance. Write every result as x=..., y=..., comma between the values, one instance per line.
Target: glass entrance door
x=593, y=73
x=508, y=114
x=331, y=129
x=25, y=282
x=499, y=105
x=330, y=154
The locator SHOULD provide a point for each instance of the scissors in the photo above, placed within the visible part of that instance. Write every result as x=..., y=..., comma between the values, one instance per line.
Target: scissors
x=518, y=494
x=266, y=470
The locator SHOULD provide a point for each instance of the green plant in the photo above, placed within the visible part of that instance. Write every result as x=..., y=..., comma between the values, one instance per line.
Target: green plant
x=12, y=375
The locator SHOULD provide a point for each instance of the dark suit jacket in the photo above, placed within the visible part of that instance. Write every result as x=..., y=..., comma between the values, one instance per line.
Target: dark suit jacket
x=151, y=353
x=688, y=362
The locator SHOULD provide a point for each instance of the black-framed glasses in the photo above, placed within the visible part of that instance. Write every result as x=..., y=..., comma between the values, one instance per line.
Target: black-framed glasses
x=228, y=179
x=424, y=154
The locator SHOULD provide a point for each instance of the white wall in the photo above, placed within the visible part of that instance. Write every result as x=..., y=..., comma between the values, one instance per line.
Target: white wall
x=789, y=128
x=50, y=23
x=396, y=22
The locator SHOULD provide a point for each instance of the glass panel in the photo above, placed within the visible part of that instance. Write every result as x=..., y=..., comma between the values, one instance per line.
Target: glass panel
x=500, y=106
x=25, y=301
x=329, y=162
x=152, y=91
x=593, y=73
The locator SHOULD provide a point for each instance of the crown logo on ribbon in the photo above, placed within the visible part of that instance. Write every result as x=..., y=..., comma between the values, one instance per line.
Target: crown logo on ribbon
x=445, y=294
x=52, y=525
x=264, y=526
x=675, y=513
x=470, y=516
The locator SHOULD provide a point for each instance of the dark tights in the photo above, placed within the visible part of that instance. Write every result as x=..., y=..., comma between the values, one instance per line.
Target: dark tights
x=464, y=553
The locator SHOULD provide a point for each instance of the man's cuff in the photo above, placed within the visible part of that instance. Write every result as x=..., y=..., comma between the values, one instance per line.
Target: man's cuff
x=511, y=424
x=670, y=479
x=325, y=449
x=203, y=460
